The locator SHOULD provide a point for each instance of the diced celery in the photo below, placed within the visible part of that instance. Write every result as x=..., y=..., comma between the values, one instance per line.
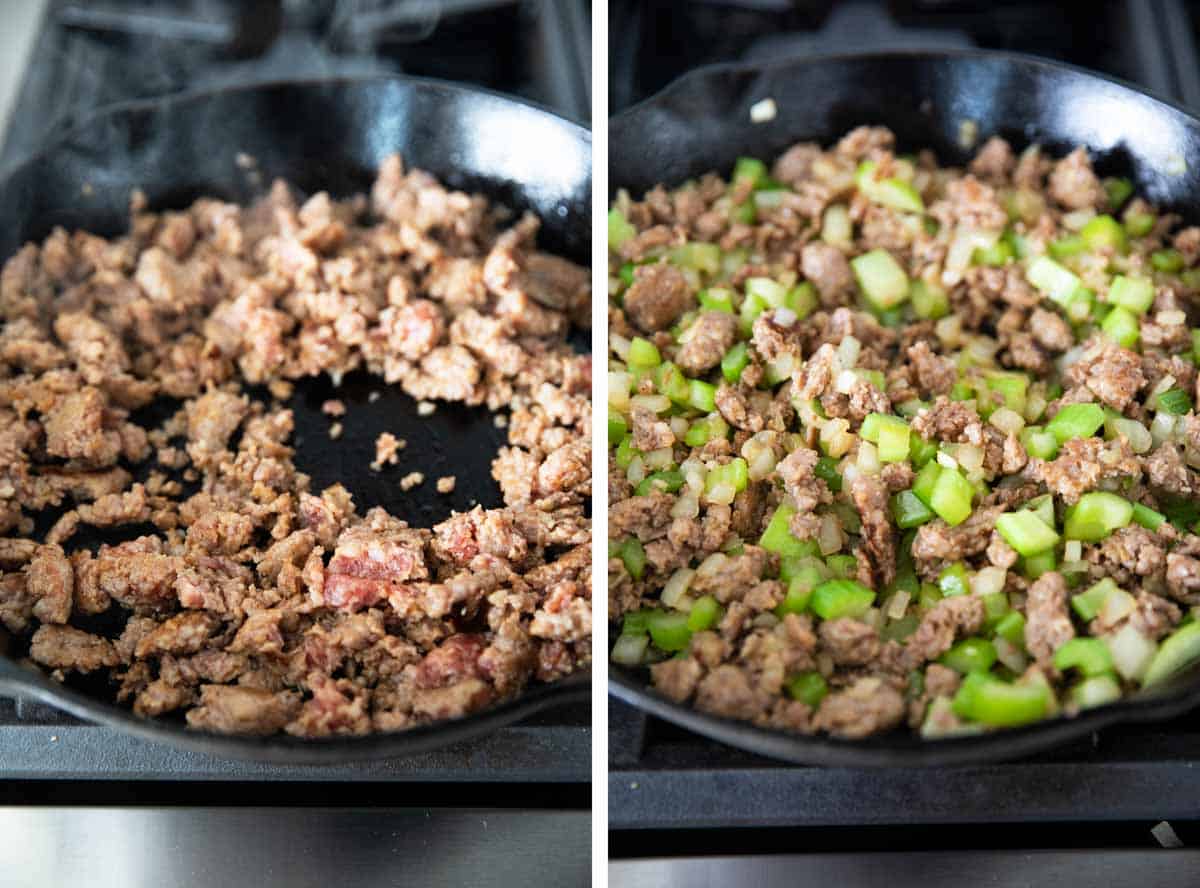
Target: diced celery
x=734, y=473
x=881, y=278
x=619, y=230
x=920, y=451
x=893, y=193
x=669, y=481
x=1076, y=421
x=1096, y=515
x=1026, y=532
x=1179, y=650
x=826, y=470
x=1132, y=292
x=636, y=623
x=703, y=395
x=998, y=254
x=1038, y=442
x=625, y=273
x=951, y=497
x=701, y=257
x=926, y=480
x=1011, y=386
x=799, y=592
x=618, y=428
x=802, y=299
x=1174, y=401
x=706, y=429
x=767, y=291
x=735, y=361
x=839, y=598
x=1088, y=603
x=1036, y=565
x=626, y=452
x=929, y=301
x=717, y=299
x=750, y=169
x=1104, y=233
x=836, y=227
x=672, y=382
x=1052, y=279
x=1065, y=247
x=1138, y=224
x=643, y=353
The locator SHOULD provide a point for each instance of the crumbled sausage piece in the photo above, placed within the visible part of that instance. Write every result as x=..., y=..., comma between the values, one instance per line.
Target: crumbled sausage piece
x=1048, y=622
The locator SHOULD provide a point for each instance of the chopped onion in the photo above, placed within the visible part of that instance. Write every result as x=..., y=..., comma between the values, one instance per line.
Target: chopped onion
x=763, y=111
x=867, y=459
x=1008, y=421
x=619, y=345
x=759, y=453
x=1035, y=403
x=1078, y=218
x=619, y=385
x=1072, y=550
x=660, y=459
x=1170, y=318
x=970, y=458
x=693, y=474
x=848, y=351
x=963, y=245
x=1162, y=428
x=829, y=537
x=722, y=494
x=686, y=505
x=988, y=580
x=845, y=382
x=1010, y=655
x=1073, y=567
x=1117, y=605
x=676, y=588
x=983, y=349
x=679, y=426
x=946, y=461
x=630, y=649
x=1071, y=356
x=1131, y=652
x=653, y=403
x=1139, y=437
x=949, y=330
x=873, y=618
x=898, y=604
x=636, y=473
x=711, y=564
x=836, y=437
x=785, y=317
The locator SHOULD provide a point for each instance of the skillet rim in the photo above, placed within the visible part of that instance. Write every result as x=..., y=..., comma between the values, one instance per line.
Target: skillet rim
x=906, y=749
x=16, y=679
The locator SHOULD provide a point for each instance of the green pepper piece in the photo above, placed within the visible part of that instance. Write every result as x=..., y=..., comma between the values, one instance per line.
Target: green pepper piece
x=953, y=580
x=669, y=481
x=1174, y=401
x=926, y=480
x=1026, y=532
x=1039, y=442
x=1089, y=655
x=1118, y=190
x=626, y=452
x=643, y=353
x=750, y=169
x=702, y=395
x=826, y=470
x=1104, y=233
x=929, y=301
x=669, y=630
x=999, y=704
x=636, y=622
x=1096, y=515
x=619, y=230
x=881, y=279
x=920, y=451
x=716, y=299
x=1036, y=565
x=970, y=655
x=1147, y=517
x=835, y=599
x=1181, y=649
x=807, y=687
x=1076, y=421
x=1170, y=260
x=634, y=557
x=908, y=510
x=705, y=614
x=1138, y=224
x=799, y=592
x=1012, y=628
x=951, y=497
x=618, y=428
x=778, y=537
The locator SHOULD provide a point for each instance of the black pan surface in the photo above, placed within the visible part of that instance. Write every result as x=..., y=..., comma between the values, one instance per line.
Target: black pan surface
x=323, y=135
x=701, y=123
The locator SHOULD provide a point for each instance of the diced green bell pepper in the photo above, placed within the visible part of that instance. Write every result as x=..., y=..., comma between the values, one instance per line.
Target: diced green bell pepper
x=1036, y=565
x=750, y=169
x=1026, y=532
x=1076, y=421
x=1088, y=655
x=1138, y=224
x=705, y=614
x=669, y=630
x=799, y=592
x=702, y=395
x=1038, y=442
x=835, y=599
x=809, y=688
x=1000, y=704
x=1147, y=517
x=1096, y=515
x=926, y=480
x=953, y=580
x=1012, y=628
x=1104, y=233
x=626, y=452
x=908, y=510
x=970, y=655
x=929, y=302
x=643, y=353
x=618, y=428
x=920, y=451
x=951, y=497
x=826, y=470
x=636, y=622
x=634, y=556
x=1121, y=326
x=778, y=537
x=1174, y=401
x=620, y=230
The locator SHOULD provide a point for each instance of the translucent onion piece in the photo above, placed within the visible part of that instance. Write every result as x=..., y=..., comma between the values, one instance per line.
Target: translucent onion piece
x=676, y=588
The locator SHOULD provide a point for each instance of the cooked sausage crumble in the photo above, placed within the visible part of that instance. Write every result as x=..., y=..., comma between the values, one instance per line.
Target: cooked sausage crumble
x=241, y=598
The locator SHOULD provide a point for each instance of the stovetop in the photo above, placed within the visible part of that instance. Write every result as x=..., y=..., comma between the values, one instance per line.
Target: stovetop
x=88, y=55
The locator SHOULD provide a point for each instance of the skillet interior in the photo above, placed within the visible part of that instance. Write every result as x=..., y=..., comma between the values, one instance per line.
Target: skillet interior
x=701, y=123
x=324, y=135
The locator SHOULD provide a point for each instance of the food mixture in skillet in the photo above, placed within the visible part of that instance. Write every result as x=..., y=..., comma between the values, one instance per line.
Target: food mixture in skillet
x=240, y=596
x=897, y=443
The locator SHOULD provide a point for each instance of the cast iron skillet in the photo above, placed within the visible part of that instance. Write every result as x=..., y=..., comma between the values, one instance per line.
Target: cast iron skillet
x=701, y=122
x=329, y=135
